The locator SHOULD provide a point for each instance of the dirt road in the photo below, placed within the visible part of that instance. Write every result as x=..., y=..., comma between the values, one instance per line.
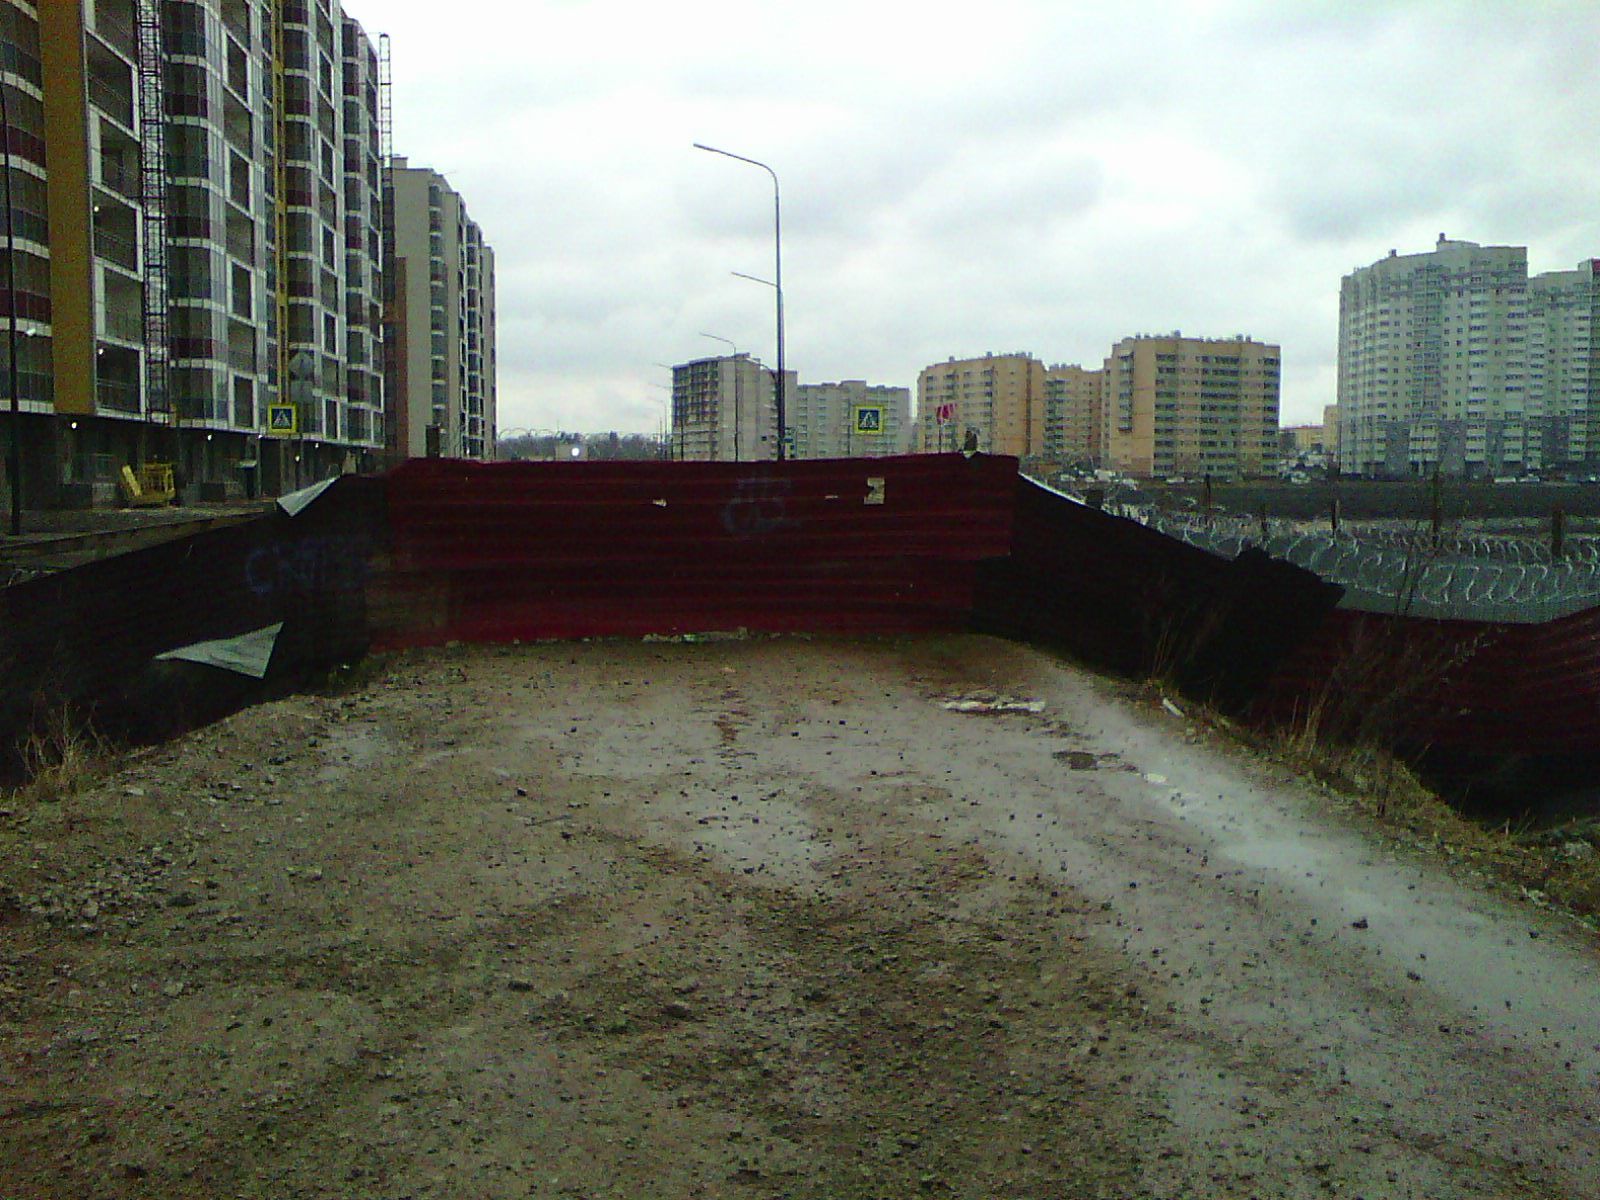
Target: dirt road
x=762, y=919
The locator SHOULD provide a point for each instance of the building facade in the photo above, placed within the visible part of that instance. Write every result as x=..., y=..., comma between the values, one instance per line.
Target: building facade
x=724, y=410
x=439, y=321
x=1192, y=407
x=1563, y=370
x=848, y=419
x=201, y=246
x=1433, y=363
x=1000, y=398
x=1073, y=420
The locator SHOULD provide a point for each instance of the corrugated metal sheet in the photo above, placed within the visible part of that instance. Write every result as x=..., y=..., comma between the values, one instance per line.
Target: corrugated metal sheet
x=442, y=550
x=88, y=638
x=1471, y=689
x=1124, y=596
x=501, y=551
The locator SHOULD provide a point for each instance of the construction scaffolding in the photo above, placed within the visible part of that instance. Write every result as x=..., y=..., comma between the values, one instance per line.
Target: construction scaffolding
x=153, y=203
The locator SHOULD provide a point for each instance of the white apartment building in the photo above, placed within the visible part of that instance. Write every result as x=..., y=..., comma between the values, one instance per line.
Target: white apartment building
x=1433, y=363
x=440, y=321
x=724, y=410
x=208, y=218
x=1563, y=309
x=849, y=419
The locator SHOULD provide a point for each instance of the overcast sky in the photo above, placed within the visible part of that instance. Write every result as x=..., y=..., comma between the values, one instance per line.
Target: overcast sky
x=1014, y=175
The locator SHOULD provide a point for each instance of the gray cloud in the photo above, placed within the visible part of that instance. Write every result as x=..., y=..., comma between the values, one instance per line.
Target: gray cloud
x=1049, y=178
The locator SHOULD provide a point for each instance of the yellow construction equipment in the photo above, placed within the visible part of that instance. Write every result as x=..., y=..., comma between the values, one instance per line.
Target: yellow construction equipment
x=151, y=486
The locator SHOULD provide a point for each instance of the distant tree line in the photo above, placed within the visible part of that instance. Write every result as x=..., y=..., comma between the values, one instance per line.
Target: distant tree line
x=548, y=447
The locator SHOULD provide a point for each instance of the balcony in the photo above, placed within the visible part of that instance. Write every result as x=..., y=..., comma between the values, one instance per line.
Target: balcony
x=112, y=101
x=117, y=395
x=115, y=28
x=116, y=248
x=116, y=371
x=117, y=174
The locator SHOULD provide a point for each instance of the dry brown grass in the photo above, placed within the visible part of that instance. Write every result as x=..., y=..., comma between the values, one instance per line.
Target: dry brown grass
x=61, y=753
x=1372, y=779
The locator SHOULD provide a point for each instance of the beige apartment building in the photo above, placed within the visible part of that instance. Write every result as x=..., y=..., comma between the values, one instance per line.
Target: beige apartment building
x=1073, y=418
x=1301, y=439
x=724, y=410
x=999, y=398
x=1192, y=407
x=440, y=320
x=849, y=419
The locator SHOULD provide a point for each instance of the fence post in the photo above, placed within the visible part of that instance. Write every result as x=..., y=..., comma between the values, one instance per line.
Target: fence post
x=1437, y=513
x=1558, y=529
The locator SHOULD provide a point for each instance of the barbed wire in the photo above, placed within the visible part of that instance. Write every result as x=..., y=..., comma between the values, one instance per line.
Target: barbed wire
x=1462, y=576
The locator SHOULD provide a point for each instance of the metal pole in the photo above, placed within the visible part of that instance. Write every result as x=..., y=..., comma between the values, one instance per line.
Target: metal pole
x=777, y=244
x=15, y=469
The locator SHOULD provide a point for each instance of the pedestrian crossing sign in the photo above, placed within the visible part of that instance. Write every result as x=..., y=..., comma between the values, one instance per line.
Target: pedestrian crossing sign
x=283, y=420
x=869, y=419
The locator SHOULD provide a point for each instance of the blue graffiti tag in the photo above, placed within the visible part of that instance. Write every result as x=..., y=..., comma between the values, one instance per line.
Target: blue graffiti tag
x=335, y=563
x=759, y=506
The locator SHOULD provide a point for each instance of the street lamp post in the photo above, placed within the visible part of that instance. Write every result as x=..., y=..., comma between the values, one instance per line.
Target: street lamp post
x=676, y=417
x=777, y=246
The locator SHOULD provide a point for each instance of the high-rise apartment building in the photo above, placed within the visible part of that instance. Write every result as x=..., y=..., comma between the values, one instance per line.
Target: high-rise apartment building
x=1000, y=398
x=1072, y=414
x=440, y=321
x=1432, y=362
x=22, y=74
x=1192, y=407
x=724, y=410
x=849, y=419
x=202, y=244
x=1563, y=367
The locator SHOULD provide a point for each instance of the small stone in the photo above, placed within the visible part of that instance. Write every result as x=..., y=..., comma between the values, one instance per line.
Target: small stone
x=1361, y=924
x=173, y=990
x=678, y=1010
x=519, y=985
x=182, y=900
x=132, y=790
x=1078, y=760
